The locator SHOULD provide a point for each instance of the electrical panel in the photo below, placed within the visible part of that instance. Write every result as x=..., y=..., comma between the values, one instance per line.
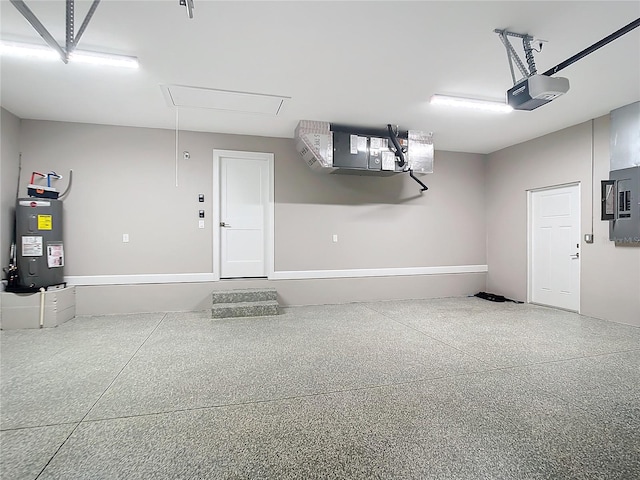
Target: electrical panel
x=621, y=193
x=621, y=204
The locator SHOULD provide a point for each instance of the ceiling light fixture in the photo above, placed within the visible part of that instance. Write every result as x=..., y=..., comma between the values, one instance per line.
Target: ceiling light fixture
x=471, y=104
x=28, y=51
x=41, y=52
x=106, y=59
x=68, y=51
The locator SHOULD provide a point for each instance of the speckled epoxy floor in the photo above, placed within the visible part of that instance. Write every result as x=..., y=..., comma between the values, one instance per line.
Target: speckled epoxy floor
x=444, y=389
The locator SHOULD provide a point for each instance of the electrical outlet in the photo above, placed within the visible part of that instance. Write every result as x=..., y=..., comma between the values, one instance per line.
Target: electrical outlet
x=335, y=238
x=200, y=223
x=125, y=238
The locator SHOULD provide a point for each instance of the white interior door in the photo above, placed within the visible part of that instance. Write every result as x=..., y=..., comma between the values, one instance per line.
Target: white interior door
x=554, y=262
x=244, y=201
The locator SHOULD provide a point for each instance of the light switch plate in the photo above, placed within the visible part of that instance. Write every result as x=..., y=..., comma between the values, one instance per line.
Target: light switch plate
x=588, y=237
x=200, y=223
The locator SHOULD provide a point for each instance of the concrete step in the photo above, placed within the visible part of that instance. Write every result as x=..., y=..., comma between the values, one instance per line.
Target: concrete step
x=245, y=295
x=245, y=309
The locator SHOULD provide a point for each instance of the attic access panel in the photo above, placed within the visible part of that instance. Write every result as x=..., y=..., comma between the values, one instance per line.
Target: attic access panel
x=227, y=100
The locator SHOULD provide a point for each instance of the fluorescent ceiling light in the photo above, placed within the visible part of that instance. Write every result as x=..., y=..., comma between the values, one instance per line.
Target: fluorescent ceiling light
x=41, y=52
x=471, y=103
x=28, y=51
x=95, y=58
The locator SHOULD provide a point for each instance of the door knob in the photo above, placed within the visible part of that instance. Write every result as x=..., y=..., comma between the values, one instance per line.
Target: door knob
x=577, y=255
x=222, y=224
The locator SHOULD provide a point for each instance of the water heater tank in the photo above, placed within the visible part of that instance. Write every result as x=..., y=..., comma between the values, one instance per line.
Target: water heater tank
x=40, y=250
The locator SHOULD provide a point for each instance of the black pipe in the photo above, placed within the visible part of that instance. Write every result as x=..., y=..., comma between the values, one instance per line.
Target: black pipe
x=424, y=187
x=365, y=131
x=394, y=140
x=593, y=48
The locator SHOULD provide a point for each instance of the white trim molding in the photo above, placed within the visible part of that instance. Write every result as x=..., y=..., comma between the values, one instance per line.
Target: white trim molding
x=282, y=275
x=378, y=272
x=270, y=214
x=139, y=279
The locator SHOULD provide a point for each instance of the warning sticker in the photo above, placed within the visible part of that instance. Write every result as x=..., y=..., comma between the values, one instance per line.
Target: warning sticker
x=353, y=144
x=44, y=222
x=55, y=255
x=31, y=246
x=388, y=160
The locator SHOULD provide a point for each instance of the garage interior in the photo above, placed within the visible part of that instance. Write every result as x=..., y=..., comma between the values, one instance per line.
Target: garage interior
x=380, y=361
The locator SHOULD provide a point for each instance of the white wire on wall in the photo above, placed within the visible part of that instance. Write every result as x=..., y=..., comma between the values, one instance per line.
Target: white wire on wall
x=177, y=129
x=594, y=197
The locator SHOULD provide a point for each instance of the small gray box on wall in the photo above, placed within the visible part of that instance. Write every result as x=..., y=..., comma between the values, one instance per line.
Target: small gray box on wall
x=624, y=227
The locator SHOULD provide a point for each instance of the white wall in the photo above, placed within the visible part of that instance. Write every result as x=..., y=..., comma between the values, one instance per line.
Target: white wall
x=124, y=182
x=610, y=276
x=381, y=222
x=9, y=161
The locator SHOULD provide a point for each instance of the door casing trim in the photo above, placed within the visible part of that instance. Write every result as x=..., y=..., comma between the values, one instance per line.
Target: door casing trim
x=530, y=193
x=269, y=228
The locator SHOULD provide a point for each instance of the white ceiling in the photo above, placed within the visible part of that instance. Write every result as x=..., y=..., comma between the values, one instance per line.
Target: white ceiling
x=359, y=63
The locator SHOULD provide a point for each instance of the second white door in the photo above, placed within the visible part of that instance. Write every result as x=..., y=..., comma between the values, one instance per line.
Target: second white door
x=244, y=199
x=555, y=247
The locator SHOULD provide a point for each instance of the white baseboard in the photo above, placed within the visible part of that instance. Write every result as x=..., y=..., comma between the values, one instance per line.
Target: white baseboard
x=281, y=275
x=378, y=272
x=139, y=279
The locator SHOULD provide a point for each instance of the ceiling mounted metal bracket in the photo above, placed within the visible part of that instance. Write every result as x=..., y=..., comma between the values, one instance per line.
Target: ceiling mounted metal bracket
x=71, y=40
x=188, y=4
x=83, y=27
x=512, y=55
